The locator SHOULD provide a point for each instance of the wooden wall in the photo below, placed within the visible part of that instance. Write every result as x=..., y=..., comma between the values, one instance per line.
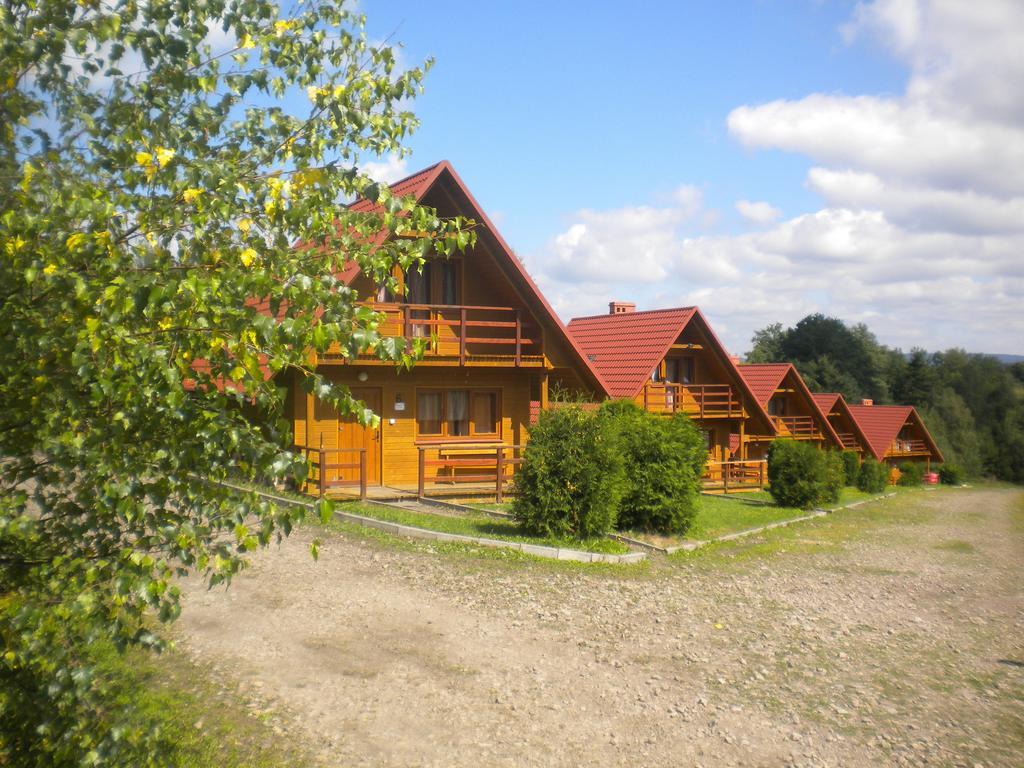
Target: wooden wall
x=398, y=440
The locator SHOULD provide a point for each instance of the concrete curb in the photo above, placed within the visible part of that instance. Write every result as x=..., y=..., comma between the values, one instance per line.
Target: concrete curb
x=537, y=550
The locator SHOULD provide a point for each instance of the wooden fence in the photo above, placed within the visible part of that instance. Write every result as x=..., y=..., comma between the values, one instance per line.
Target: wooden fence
x=458, y=463
x=734, y=476
x=326, y=473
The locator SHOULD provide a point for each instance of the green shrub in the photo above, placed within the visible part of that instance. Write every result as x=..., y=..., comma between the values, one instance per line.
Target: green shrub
x=663, y=460
x=951, y=474
x=801, y=475
x=873, y=476
x=851, y=467
x=911, y=473
x=571, y=479
x=835, y=475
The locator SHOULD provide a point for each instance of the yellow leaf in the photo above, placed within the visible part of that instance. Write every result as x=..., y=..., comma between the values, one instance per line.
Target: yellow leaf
x=164, y=155
x=166, y=323
x=190, y=194
x=246, y=42
x=151, y=237
x=49, y=269
x=248, y=256
x=27, y=172
x=245, y=225
x=144, y=158
x=75, y=241
x=280, y=27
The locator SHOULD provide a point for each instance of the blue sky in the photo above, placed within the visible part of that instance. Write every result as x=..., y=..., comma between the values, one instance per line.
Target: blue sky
x=570, y=120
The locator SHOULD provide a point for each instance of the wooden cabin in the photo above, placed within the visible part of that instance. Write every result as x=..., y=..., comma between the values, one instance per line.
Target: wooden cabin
x=836, y=410
x=794, y=414
x=895, y=433
x=670, y=361
x=494, y=346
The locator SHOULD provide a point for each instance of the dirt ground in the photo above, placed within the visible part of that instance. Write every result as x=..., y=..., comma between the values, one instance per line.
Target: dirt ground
x=892, y=634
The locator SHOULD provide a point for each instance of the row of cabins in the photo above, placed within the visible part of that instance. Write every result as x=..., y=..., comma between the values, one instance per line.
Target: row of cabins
x=496, y=351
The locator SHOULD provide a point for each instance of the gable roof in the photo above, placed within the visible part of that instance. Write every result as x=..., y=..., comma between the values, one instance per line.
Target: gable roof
x=882, y=423
x=418, y=185
x=625, y=348
x=828, y=401
x=765, y=378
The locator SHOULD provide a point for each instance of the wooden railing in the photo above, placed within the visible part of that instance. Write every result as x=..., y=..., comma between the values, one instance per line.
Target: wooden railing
x=796, y=426
x=326, y=474
x=454, y=463
x=907, y=447
x=849, y=440
x=736, y=475
x=700, y=400
x=464, y=332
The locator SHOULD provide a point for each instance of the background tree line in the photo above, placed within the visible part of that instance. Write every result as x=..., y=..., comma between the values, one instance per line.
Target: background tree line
x=973, y=404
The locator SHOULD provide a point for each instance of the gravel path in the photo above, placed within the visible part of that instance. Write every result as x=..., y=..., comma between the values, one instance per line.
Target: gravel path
x=887, y=635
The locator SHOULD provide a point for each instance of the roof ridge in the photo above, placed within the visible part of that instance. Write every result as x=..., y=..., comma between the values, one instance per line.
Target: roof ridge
x=634, y=312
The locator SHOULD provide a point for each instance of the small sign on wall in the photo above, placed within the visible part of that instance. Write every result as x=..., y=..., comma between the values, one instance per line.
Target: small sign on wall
x=399, y=406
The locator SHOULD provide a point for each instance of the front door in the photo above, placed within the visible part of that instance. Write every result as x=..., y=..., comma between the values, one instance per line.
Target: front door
x=352, y=434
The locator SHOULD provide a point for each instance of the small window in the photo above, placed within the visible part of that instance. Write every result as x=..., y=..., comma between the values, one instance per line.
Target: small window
x=449, y=284
x=428, y=413
x=777, y=406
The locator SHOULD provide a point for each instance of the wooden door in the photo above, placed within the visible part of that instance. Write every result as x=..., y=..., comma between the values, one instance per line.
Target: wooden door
x=352, y=434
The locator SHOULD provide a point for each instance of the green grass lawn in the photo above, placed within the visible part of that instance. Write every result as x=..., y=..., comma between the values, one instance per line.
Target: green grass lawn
x=478, y=525
x=204, y=724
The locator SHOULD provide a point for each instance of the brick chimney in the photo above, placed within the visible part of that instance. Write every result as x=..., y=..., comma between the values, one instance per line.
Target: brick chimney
x=867, y=401
x=620, y=307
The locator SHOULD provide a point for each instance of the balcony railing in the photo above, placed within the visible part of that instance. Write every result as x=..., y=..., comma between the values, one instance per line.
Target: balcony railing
x=463, y=333
x=907, y=448
x=700, y=400
x=796, y=426
x=849, y=440
x=477, y=466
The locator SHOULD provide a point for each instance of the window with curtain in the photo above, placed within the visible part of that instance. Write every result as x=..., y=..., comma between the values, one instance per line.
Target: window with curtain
x=458, y=413
x=777, y=406
x=485, y=413
x=418, y=292
x=428, y=413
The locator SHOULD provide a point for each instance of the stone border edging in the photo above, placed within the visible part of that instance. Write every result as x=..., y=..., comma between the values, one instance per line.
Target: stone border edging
x=537, y=550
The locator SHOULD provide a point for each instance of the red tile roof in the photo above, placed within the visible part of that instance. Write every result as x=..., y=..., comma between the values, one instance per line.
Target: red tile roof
x=418, y=184
x=882, y=423
x=825, y=401
x=625, y=348
x=764, y=378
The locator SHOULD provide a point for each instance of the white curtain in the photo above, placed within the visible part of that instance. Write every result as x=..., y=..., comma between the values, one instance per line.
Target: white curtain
x=458, y=413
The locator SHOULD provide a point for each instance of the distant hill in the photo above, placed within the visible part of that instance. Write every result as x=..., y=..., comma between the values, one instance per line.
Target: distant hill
x=1009, y=359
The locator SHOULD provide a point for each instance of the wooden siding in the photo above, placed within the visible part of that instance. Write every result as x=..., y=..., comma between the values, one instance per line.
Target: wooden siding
x=399, y=444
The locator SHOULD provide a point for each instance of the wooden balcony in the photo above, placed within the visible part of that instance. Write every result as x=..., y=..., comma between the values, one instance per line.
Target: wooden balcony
x=849, y=441
x=797, y=427
x=908, y=448
x=464, y=335
x=734, y=476
x=702, y=401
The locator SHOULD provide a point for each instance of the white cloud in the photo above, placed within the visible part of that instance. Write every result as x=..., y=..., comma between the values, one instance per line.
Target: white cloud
x=387, y=171
x=921, y=233
x=759, y=212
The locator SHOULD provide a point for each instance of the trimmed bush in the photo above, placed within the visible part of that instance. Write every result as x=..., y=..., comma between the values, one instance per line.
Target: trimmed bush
x=911, y=473
x=873, y=476
x=663, y=461
x=835, y=475
x=951, y=474
x=851, y=467
x=571, y=479
x=800, y=475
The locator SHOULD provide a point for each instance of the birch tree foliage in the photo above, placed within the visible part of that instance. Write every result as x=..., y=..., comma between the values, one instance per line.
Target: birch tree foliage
x=171, y=230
